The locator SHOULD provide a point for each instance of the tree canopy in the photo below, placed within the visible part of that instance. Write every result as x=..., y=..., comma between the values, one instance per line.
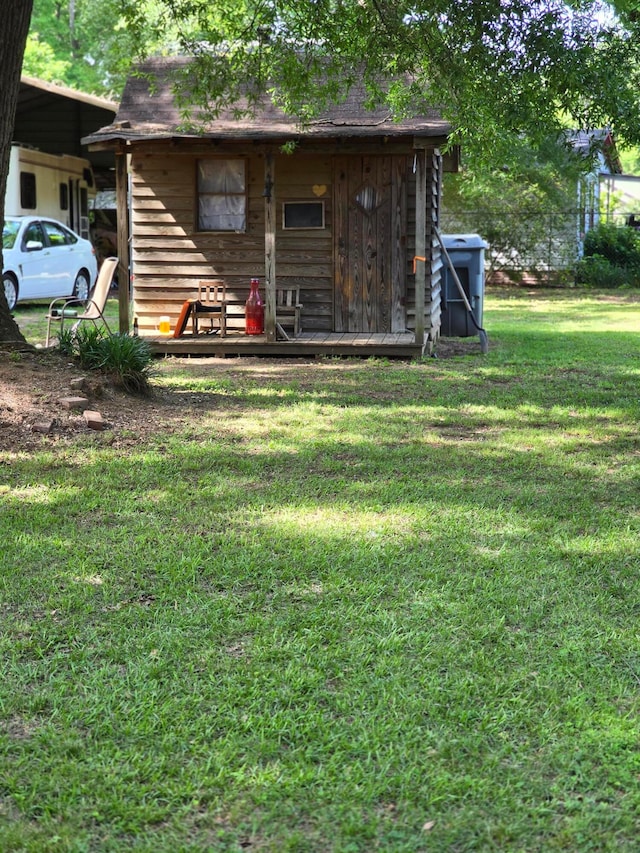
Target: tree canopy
x=86, y=44
x=506, y=73
x=498, y=69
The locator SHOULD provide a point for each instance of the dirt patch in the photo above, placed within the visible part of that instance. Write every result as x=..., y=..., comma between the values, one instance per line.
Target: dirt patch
x=33, y=384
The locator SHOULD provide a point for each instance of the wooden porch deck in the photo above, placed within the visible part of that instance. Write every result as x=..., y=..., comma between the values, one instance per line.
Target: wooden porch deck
x=310, y=344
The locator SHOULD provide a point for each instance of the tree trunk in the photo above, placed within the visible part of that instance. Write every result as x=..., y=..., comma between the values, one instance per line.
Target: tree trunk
x=14, y=27
x=75, y=42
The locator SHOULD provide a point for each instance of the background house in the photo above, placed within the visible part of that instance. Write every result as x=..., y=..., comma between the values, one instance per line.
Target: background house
x=539, y=241
x=342, y=215
x=593, y=185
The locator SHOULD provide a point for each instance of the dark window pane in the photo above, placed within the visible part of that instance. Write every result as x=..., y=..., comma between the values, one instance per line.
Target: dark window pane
x=27, y=190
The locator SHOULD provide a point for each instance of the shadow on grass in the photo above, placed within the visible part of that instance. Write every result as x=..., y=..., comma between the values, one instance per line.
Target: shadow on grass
x=337, y=607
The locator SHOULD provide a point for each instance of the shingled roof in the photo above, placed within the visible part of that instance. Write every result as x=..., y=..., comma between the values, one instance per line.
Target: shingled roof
x=148, y=110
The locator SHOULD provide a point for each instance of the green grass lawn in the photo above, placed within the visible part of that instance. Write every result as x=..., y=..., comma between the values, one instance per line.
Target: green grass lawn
x=32, y=320
x=356, y=606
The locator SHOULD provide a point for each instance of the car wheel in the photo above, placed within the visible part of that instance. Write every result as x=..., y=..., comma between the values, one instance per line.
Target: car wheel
x=81, y=286
x=10, y=290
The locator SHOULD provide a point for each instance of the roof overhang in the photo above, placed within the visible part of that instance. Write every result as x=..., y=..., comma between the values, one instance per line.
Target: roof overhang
x=149, y=113
x=31, y=88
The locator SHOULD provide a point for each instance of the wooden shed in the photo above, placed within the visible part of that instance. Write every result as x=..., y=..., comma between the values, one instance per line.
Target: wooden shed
x=340, y=208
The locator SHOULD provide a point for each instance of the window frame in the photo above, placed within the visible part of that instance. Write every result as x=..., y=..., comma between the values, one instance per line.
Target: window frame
x=300, y=203
x=244, y=195
x=64, y=195
x=68, y=238
x=40, y=237
x=28, y=190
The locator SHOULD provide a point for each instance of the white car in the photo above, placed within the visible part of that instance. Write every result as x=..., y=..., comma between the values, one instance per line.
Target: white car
x=43, y=259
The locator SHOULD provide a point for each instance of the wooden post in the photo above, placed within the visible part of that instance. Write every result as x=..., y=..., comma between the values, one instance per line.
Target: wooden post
x=421, y=241
x=122, y=215
x=269, y=247
x=436, y=285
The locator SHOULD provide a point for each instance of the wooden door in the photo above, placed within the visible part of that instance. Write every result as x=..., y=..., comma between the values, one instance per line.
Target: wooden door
x=370, y=236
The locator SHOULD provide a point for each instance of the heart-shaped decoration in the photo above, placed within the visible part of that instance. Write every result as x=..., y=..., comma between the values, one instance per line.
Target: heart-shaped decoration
x=319, y=189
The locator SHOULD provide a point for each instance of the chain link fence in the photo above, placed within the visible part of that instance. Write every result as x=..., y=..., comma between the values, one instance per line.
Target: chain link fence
x=538, y=247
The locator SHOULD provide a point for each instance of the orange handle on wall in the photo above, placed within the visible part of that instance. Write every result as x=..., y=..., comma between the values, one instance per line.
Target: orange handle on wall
x=417, y=258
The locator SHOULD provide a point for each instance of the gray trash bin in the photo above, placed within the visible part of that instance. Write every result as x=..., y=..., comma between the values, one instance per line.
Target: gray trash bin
x=467, y=256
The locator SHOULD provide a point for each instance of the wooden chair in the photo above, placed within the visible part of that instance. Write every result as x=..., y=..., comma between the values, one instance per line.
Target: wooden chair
x=212, y=304
x=93, y=309
x=288, y=311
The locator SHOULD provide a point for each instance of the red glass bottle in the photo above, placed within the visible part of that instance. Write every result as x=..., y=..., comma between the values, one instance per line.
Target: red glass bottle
x=254, y=310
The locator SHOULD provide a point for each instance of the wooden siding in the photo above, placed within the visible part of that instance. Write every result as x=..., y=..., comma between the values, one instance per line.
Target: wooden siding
x=399, y=236
x=170, y=255
x=370, y=247
x=306, y=345
x=363, y=244
x=305, y=257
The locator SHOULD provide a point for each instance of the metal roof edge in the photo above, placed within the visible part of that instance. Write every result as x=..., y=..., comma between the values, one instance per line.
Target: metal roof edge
x=68, y=92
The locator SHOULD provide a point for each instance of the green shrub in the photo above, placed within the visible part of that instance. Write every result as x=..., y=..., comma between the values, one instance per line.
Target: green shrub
x=619, y=245
x=88, y=342
x=66, y=342
x=611, y=257
x=126, y=360
x=598, y=271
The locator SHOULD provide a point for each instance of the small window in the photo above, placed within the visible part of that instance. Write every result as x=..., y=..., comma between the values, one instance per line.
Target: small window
x=64, y=197
x=57, y=235
x=222, y=197
x=369, y=199
x=27, y=190
x=303, y=214
x=33, y=233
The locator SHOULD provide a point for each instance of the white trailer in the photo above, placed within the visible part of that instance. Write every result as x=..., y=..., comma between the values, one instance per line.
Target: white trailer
x=60, y=186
